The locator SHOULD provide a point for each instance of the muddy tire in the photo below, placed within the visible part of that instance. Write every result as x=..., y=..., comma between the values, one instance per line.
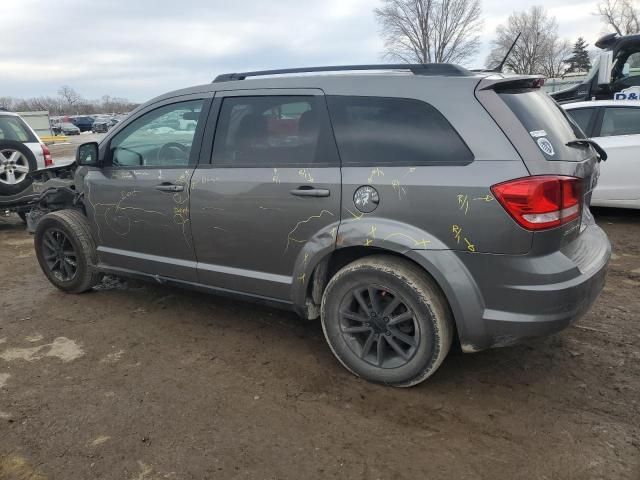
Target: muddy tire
x=66, y=251
x=387, y=321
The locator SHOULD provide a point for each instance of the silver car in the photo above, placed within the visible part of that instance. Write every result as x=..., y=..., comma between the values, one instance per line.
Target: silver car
x=21, y=153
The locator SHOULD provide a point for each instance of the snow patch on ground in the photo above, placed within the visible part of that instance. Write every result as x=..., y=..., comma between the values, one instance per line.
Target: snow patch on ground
x=63, y=348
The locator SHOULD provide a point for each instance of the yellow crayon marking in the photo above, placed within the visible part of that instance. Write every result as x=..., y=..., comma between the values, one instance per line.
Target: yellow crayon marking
x=463, y=203
x=302, y=277
x=354, y=215
x=470, y=246
x=416, y=243
x=291, y=238
x=457, y=231
x=376, y=172
x=486, y=198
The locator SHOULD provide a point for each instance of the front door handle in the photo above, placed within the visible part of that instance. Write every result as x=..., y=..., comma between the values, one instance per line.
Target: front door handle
x=309, y=191
x=170, y=187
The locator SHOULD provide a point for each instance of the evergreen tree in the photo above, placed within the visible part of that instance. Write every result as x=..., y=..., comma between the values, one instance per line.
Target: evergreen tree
x=579, y=60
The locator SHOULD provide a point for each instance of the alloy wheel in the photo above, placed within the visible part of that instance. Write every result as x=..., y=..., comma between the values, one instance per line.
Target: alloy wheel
x=379, y=326
x=14, y=166
x=59, y=255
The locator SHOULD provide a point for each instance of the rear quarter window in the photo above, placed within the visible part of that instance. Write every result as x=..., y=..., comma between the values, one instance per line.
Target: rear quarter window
x=13, y=128
x=547, y=123
x=394, y=131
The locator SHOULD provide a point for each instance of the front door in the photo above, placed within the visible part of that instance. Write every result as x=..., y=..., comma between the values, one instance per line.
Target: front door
x=139, y=200
x=272, y=189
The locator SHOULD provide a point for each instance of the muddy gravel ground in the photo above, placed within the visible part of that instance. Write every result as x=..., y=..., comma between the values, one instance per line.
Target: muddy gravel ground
x=140, y=381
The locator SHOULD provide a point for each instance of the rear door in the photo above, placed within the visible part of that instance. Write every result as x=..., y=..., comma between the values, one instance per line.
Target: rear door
x=270, y=197
x=619, y=134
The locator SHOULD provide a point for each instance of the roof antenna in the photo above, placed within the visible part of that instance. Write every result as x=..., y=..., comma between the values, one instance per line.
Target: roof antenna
x=499, y=68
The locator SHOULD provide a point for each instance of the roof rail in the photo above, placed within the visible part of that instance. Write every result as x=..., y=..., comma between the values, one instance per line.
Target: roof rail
x=443, y=69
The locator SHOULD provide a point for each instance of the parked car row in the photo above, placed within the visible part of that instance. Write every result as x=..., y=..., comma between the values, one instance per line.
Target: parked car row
x=74, y=125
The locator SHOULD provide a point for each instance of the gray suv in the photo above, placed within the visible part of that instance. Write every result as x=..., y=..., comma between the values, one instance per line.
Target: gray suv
x=404, y=206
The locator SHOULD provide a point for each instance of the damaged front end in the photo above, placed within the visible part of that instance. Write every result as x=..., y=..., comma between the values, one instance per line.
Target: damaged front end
x=51, y=190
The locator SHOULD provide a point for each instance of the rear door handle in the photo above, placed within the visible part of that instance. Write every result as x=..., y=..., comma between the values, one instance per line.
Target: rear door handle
x=169, y=187
x=308, y=191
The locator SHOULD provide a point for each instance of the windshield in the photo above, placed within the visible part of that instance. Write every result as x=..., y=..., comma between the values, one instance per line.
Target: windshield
x=547, y=123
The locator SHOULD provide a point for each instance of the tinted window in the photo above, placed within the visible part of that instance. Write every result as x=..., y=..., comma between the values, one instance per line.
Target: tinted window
x=12, y=128
x=547, y=123
x=272, y=131
x=582, y=116
x=162, y=137
x=394, y=131
x=620, y=121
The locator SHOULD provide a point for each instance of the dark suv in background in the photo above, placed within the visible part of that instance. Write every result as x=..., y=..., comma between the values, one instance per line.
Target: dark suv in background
x=405, y=207
x=83, y=123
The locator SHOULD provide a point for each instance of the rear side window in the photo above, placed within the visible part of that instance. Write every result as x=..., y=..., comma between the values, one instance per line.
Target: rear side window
x=547, y=123
x=394, y=131
x=274, y=131
x=583, y=117
x=620, y=121
x=12, y=128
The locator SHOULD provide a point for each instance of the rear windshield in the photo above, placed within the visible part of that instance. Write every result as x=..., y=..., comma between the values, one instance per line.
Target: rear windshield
x=547, y=123
x=13, y=128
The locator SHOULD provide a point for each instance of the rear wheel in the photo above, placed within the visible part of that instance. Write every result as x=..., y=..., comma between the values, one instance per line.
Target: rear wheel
x=17, y=161
x=66, y=251
x=386, y=321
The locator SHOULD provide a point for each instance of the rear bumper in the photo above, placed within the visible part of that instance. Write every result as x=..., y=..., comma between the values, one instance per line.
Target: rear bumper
x=500, y=300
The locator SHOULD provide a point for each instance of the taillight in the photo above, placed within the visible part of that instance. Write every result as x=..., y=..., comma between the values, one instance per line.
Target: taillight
x=540, y=202
x=48, y=161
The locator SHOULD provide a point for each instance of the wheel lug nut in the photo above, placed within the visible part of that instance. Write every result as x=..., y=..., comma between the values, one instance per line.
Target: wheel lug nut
x=367, y=324
x=387, y=333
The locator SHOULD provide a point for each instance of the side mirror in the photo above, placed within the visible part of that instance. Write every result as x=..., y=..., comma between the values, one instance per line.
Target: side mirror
x=606, y=65
x=87, y=154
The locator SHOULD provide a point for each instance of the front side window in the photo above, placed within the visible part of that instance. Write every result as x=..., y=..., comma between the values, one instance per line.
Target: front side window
x=394, y=131
x=161, y=138
x=273, y=131
x=582, y=116
x=620, y=121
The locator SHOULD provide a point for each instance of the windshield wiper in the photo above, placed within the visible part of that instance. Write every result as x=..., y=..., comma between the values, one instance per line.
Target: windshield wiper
x=584, y=142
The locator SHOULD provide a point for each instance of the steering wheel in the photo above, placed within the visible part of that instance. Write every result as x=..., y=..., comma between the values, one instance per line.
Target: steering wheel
x=172, y=151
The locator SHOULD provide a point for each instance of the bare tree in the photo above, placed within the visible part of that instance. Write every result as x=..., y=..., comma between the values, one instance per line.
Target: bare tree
x=621, y=15
x=539, y=49
x=425, y=31
x=70, y=96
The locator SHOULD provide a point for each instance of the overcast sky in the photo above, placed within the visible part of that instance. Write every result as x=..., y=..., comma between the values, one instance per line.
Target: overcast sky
x=140, y=48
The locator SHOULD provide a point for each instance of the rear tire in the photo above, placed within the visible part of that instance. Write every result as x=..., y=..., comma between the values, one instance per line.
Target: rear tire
x=66, y=251
x=387, y=321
